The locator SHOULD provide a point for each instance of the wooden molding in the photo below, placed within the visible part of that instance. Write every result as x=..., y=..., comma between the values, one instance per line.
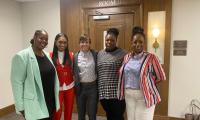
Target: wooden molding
x=7, y=110
x=108, y=3
x=158, y=117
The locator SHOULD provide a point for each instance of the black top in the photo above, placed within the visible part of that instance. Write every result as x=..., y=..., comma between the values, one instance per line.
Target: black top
x=47, y=73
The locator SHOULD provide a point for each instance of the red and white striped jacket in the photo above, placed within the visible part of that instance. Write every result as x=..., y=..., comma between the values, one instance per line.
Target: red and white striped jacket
x=151, y=73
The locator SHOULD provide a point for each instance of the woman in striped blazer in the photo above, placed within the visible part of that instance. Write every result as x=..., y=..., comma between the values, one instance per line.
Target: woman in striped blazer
x=139, y=74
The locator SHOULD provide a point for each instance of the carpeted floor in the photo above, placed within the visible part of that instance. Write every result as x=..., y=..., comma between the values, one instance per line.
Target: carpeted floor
x=14, y=116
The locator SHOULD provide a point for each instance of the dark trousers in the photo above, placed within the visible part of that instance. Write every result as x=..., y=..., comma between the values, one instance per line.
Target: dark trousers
x=114, y=108
x=87, y=101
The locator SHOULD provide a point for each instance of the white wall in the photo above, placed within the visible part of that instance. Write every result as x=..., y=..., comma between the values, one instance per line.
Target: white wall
x=184, y=70
x=10, y=43
x=18, y=23
x=43, y=14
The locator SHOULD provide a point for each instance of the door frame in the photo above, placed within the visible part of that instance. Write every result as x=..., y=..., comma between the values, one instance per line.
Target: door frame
x=88, y=8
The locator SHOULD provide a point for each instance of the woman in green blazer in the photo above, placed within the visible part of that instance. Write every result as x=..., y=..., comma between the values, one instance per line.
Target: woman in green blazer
x=34, y=80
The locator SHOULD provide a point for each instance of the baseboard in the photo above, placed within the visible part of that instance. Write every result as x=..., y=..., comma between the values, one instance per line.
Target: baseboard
x=157, y=117
x=11, y=108
x=7, y=110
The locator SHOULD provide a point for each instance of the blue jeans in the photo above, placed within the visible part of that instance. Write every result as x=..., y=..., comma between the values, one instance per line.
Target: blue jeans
x=87, y=100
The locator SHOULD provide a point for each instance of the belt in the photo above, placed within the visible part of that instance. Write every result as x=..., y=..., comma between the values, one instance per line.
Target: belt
x=88, y=83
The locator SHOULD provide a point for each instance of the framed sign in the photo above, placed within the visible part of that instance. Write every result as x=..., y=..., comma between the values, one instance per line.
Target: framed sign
x=180, y=48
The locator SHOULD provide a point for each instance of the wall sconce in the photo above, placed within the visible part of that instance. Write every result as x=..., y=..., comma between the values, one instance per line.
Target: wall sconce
x=156, y=34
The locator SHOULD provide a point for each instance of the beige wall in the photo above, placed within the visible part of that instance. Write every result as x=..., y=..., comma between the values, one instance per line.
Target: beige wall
x=18, y=23
x=10, y=43
x=184, y=70
x=43, y=14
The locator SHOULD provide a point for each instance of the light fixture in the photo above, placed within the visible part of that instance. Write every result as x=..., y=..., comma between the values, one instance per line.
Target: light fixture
x=155, y=33
x=101, y=17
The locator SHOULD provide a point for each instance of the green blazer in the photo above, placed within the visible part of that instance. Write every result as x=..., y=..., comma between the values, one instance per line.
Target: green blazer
x=27, y=85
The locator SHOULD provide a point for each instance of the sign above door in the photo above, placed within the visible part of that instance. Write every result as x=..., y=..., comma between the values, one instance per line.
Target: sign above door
x=108, y=3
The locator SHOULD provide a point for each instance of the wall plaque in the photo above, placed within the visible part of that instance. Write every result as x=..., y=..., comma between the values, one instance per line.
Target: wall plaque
x=180, y=48
x=180, y=44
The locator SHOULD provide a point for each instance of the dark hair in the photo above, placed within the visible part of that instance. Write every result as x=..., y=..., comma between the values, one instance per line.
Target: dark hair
x=37, y=33
x=113, y=31
x=138, y=30
x=84, y=37
x=55, y=50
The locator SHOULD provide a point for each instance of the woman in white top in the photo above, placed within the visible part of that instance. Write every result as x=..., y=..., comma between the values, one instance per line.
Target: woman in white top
x=85, y=79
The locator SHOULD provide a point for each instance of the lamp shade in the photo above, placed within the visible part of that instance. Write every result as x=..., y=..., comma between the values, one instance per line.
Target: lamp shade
x=155, y=32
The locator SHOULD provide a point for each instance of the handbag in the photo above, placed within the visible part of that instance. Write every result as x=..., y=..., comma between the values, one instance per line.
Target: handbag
x=195, y=107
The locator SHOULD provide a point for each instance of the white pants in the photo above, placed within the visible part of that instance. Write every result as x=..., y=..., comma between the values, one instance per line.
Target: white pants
x=135, y=106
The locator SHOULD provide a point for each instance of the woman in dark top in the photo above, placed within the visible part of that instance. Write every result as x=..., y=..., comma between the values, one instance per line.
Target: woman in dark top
x=109, y=61
x=34, y=80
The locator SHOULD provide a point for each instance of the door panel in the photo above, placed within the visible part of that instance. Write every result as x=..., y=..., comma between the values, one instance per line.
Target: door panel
x=123, y=22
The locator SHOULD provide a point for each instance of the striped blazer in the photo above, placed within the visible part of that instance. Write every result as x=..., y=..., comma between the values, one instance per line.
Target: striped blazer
x=151, y=73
